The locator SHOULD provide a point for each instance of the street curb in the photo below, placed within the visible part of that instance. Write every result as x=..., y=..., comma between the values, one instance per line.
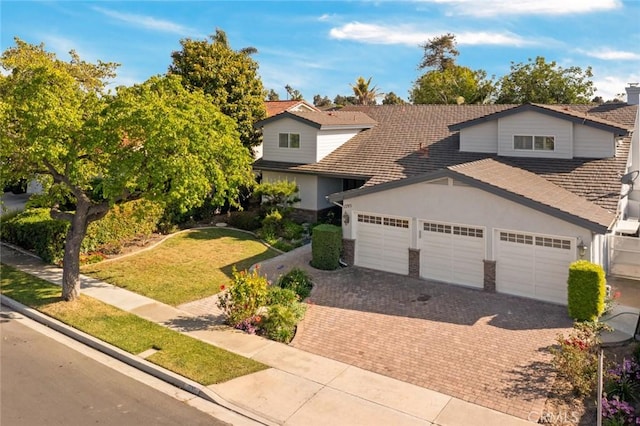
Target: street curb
x=132, y=360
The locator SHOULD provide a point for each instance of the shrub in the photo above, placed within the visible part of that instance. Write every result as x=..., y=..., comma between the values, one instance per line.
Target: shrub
x=576, y=357
x=297, y=280
x=123, y=223
x=282, y=245
x=272, y=223
x=326, y=244
x=291, y=230
x=281, y=296
x=247, y=220
x=586, y=290
x=247, y=292
x=35, y=230
x=281, y=320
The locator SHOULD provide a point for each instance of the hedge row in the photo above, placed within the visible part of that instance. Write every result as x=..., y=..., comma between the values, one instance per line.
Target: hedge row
x=34, y=229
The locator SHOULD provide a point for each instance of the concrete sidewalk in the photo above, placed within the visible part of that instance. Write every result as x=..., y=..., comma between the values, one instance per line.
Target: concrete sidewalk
x=300, y=388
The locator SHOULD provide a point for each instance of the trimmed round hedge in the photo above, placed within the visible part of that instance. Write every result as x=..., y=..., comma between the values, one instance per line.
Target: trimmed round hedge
x=326, y=244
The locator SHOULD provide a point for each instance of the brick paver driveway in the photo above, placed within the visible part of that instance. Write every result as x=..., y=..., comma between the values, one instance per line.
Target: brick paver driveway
x=489, y=349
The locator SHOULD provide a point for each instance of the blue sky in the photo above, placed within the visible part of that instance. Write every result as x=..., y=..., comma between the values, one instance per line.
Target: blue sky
x=320, y=47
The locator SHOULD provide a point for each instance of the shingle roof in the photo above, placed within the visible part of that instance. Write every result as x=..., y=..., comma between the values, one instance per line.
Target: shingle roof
x=276, y=107
x=534, y=188
x=561, y=111
x=410, y=140
x=320, y=119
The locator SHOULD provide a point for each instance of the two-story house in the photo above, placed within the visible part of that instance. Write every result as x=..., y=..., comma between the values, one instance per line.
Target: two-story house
x=500, y=197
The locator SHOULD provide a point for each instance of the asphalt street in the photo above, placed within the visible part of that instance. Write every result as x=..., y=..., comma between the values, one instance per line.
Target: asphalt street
x=44, y=382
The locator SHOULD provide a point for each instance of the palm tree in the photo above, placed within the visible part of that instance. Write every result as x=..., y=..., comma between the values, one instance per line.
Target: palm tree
x=365, y=94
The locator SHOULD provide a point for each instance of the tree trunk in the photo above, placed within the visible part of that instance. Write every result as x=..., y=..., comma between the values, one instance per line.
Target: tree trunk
x=71, y=260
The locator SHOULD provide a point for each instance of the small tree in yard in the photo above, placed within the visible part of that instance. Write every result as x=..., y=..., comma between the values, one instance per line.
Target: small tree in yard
x=155, y=140
x=279, y=195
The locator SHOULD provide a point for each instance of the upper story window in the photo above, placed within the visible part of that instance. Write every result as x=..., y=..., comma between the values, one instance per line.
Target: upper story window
x=534, y=143
x=289, y=140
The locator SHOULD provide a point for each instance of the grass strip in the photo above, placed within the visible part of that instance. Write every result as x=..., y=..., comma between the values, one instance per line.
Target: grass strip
x=187, y=267
x=184, y=355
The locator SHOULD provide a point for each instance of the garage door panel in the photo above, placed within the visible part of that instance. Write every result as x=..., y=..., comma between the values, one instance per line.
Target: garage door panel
x=448, y=253
x=535, y=266
x=382, y=243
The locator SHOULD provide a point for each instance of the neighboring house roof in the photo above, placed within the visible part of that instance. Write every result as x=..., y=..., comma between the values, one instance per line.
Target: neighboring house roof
x=511, y=183
x=564, y=112
x=323, y=119
x=411, y=140
x=276, y=107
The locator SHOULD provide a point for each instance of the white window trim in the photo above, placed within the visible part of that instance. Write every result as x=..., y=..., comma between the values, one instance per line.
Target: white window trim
x=288, y=140
x=533, y=142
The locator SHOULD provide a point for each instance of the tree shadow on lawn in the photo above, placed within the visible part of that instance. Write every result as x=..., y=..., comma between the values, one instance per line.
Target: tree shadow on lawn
x=390, y=294
x=218, y=232
x=199, y=323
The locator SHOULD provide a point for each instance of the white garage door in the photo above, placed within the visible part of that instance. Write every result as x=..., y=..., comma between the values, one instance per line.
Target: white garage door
x=382, y=243
x=452, y=253
x=535, y=266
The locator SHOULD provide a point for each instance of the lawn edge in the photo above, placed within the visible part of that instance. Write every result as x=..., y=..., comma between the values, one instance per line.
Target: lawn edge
x=129, y=359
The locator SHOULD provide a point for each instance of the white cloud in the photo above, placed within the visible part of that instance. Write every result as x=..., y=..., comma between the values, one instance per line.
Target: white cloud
x=611, y=86
x=487, y=8
x=607, y=54
x=327, y=17
x=380, y=34
x=146, y=22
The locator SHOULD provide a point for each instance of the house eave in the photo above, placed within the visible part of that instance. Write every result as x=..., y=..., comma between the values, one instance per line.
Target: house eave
x=595, y=227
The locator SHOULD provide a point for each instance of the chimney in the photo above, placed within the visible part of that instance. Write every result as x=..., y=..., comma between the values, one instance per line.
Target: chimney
x=633, y=93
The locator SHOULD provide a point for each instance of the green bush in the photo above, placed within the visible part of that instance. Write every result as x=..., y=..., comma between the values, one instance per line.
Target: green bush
x=247, y=292
x=281, y=320
x=292, y=230
x=272, y=223
x=123, y=223
x=35, y=230
x=326, y=244
x=247, y=220
x=586, y=290
x=281, y=296
x=297, y=280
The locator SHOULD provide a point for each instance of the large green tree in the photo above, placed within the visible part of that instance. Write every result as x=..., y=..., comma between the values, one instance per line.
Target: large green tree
x=154, y=140
x=446, y=82
x=229, y=76
x=544, y=82
x=392, y=99
x=455, y=84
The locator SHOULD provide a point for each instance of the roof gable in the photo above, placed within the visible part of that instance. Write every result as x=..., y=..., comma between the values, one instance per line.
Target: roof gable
x=324, y=119
x=563, y=112
x=276, y=107
x=511, y=183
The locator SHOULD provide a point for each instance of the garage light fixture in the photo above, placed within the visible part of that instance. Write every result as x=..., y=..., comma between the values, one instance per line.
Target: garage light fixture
x=582, y=248
x=345, y=218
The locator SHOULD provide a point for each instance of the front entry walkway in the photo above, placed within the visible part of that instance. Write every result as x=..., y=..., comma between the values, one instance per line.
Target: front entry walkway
x=488, y=349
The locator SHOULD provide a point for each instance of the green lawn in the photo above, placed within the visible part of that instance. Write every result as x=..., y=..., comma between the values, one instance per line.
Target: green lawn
x=189, y=357
x=184, y=268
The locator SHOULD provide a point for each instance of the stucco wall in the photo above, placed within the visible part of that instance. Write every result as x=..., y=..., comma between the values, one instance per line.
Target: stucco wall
x=307, y=185
x=533, y=123
x=308, y=140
